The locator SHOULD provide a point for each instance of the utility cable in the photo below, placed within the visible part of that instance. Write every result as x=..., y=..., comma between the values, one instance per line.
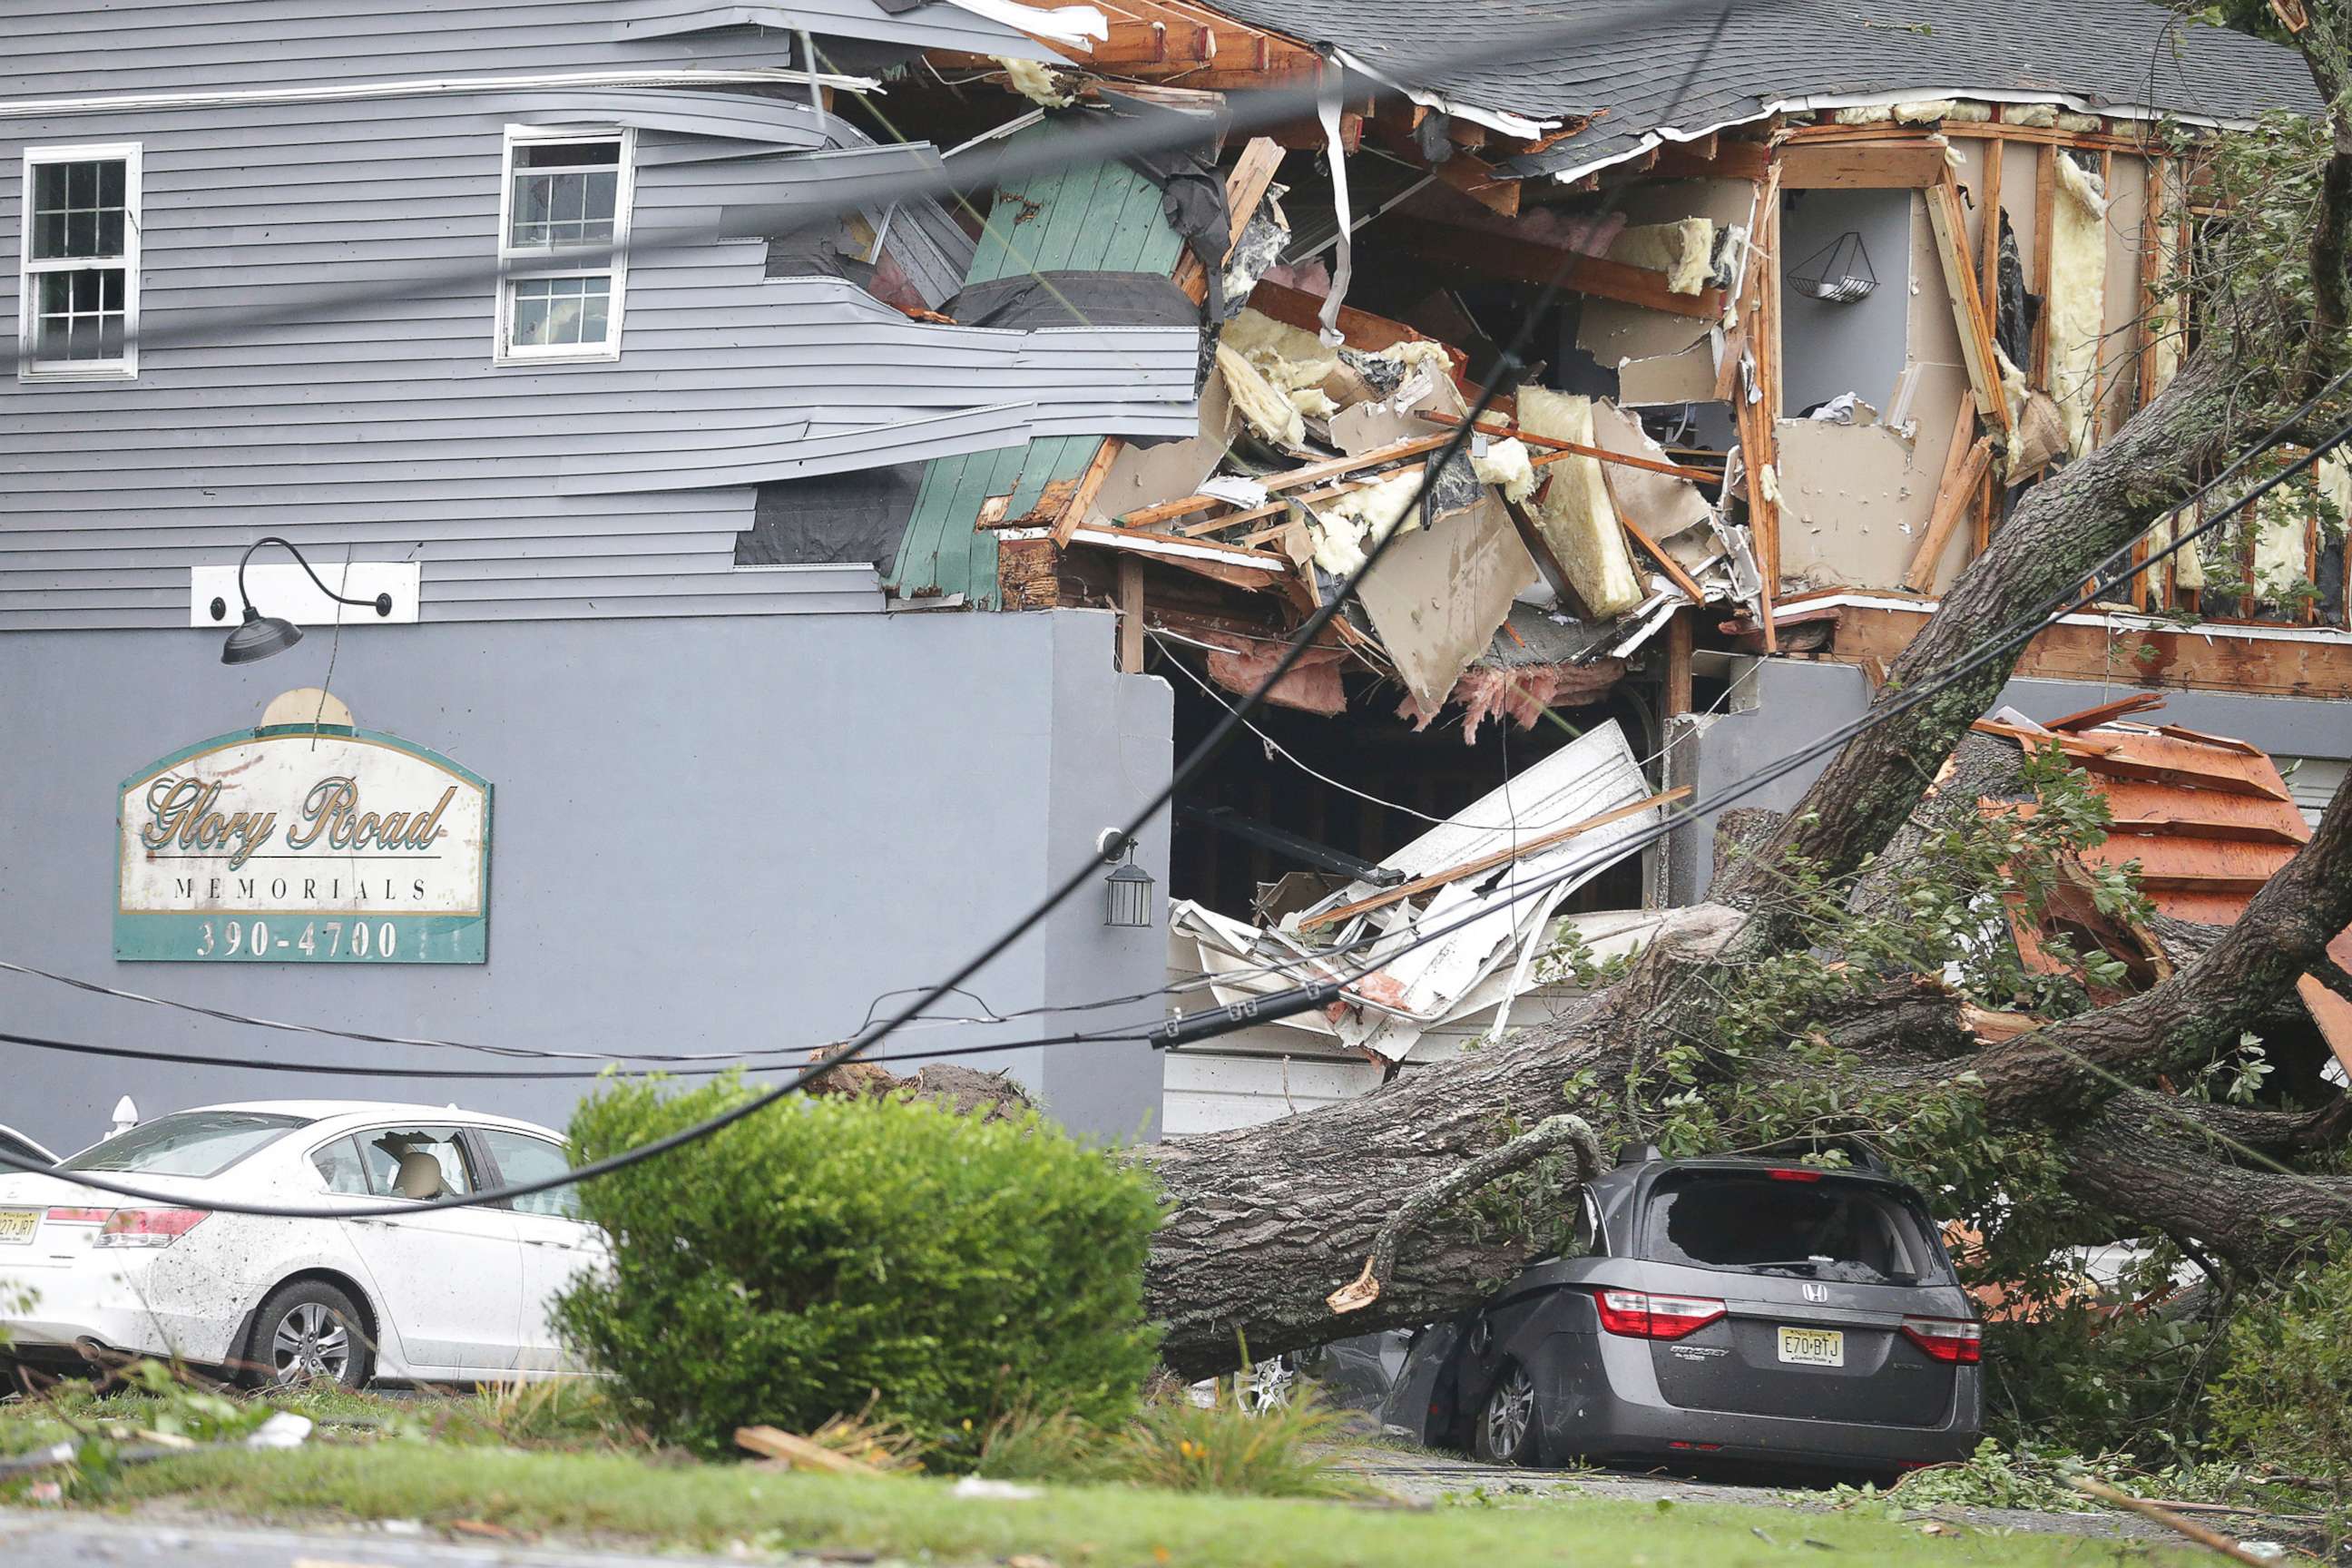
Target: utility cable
x=1257, y=1010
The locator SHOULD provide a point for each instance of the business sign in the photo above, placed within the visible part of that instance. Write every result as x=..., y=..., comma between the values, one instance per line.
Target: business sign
x=304, y=844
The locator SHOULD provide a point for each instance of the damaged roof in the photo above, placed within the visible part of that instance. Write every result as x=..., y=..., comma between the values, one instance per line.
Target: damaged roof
x=1642, y=77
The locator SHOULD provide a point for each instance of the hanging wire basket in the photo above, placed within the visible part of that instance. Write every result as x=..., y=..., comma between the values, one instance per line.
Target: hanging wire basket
x=1838, y=273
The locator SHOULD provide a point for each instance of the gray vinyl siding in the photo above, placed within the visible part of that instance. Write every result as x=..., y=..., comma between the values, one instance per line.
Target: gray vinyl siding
x=374, y=424
x=61, y=49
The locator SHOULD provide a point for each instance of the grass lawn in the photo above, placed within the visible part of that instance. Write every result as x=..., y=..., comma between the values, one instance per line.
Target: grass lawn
x=621, y=1498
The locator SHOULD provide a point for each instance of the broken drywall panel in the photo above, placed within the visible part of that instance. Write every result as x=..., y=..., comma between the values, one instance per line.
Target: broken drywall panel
x=1669, y=379
x=1854, y=501
x=1860, y=346
x=1366, y=426
x=1440, y=594
x=2078, y=283
x=1658, y=504
x=1933, y=330
x=1573, y=512
x=1615, y=333
x=2126, y=192
x=1143, y=476
x=1726, y=203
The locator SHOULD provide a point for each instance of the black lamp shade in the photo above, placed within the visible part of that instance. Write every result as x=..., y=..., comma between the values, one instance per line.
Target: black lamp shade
x=258, y=638
x=1130, y=901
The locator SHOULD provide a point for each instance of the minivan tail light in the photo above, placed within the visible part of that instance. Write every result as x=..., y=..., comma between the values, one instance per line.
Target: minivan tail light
x=78, y=1216
x=1646, y=1315
x=149, y=1227
x=1955, y=1340
x=1793, y=1173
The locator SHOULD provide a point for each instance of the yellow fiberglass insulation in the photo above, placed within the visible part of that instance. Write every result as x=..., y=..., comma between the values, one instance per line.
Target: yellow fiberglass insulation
x=1684, y=251
x=2078, y=293
x=2042, y=116
x=1035, y=83
x=1506, y=465
x=1269, y=412
x=1343, y=529
x=1575, y=514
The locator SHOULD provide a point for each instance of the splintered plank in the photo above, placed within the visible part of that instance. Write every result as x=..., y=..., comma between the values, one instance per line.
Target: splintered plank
x=1950, y=224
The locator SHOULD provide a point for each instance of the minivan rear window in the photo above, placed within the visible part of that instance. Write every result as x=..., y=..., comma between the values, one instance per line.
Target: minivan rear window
x=186, y=1144
x=1830, y=1229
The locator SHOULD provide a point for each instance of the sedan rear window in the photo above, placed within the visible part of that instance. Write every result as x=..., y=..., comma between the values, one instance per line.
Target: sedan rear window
x=187, y=1143
x=1804, y=1228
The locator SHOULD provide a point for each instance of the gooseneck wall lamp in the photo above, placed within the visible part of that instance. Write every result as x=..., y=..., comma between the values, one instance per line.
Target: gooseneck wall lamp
x=260, y=635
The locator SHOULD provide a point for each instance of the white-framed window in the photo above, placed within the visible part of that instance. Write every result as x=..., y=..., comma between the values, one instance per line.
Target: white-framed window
x=77, y=280
x=564, y=237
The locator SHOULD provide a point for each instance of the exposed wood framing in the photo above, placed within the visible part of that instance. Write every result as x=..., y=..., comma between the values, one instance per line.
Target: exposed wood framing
x=1952, y=503
x=2045, y=217
x=1081, y=500
x=1908, y=164
x=1365, y=332
x=1130, y=616
x=1482, y=183
x=1949, y=221
x=1680, y=632
x=2206, y=658
x=1709, y=159
x=1666, y=563
x=1295, y=479
x=1758, y=415
x=1988, y=214
x=1527, y=261
x=1246, y=187
x=1600, y=454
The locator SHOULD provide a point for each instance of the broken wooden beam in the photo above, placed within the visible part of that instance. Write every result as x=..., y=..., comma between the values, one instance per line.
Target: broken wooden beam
x=1490, y=862
x=1528, y=261
x=1952, y=503
x=1296, y=478
x=1950, y=224
x=1906, y=164
x=801, y=1454
x=1666, y=563
x=1599, y=454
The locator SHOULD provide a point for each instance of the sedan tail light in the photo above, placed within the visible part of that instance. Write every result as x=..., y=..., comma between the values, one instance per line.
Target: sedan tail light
x=149, y=1227
x=79, y=1215
x=1955, y=1340
x=1646, y=1315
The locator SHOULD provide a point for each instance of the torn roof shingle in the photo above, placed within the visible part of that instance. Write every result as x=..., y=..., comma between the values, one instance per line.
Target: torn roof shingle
x=1699, y=66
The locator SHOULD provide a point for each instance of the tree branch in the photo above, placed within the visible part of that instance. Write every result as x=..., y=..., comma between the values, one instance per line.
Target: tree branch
x=1548, y=1137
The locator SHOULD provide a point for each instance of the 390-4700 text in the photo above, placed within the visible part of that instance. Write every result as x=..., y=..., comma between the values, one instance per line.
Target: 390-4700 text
x=318, y=939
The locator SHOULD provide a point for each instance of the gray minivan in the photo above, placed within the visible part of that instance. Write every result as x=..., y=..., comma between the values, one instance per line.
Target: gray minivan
x=1714, y=1309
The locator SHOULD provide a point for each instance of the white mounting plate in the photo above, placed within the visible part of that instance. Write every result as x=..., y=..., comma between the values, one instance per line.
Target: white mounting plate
x=283, y=589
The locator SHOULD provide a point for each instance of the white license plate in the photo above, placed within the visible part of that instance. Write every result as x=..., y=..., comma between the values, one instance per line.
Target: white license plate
x=16, y=1226
x=1812, y=1347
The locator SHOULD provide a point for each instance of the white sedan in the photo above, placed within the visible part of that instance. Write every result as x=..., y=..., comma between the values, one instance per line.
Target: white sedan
x=452, y=1295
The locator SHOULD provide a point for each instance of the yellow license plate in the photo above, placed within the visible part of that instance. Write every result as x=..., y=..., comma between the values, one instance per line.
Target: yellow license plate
x=16, y=1226
x=1812, y=1347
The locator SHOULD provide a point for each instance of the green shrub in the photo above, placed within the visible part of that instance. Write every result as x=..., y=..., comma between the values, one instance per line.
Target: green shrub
x=2285, y=1396
x=825, y=1254
x=1289, y=1450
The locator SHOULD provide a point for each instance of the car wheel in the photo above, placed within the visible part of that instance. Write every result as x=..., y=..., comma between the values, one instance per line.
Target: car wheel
x=1506, y=1423
x=309, y=1332
x=1268, y=1386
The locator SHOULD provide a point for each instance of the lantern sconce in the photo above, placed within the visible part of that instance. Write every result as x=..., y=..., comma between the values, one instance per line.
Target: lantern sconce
x=1128, y=889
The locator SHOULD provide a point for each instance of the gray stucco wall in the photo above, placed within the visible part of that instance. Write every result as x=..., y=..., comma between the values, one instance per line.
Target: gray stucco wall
x=1785, y=705
x=710, y=835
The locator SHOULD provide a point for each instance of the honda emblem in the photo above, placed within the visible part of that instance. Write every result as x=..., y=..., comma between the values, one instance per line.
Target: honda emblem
x=1816, y=1292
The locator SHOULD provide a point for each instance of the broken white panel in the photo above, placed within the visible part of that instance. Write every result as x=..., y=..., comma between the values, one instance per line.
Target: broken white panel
x=1368, y=427
x=1063, y=24
x=1439, y=592
x=1143, y=476
x=1496, y=911
x=1593, y=774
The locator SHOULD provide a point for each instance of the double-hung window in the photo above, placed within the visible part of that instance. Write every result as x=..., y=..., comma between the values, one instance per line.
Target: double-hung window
x=77, y=286
x=563, y=233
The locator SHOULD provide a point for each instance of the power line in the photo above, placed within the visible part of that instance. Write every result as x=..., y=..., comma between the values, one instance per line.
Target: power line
x=1255, y=1010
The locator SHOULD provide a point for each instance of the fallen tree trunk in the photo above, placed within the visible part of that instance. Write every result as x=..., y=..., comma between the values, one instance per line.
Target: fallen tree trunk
x=1269, y=1221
